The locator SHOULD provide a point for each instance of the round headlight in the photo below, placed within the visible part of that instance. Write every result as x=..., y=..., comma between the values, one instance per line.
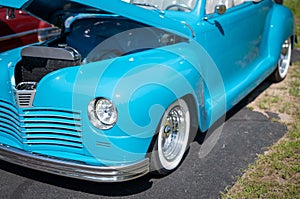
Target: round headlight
x=106, y=112
x=102, y=113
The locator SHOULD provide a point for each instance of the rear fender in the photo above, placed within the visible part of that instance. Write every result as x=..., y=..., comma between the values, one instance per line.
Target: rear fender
x=281, y=27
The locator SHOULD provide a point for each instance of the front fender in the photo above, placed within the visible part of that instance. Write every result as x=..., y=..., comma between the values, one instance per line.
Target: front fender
x=141, y=85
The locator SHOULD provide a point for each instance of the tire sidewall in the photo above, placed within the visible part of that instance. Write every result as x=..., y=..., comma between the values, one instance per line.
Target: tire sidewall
x=278, y=75
x=159, y=164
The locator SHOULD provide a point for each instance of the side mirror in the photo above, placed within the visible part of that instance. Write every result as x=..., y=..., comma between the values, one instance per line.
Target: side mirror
x=220, y=9
x=10, y=13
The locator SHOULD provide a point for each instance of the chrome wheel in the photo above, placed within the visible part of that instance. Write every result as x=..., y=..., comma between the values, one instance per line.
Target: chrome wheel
x=285, y=59
x=283, y=63
x=173, y=136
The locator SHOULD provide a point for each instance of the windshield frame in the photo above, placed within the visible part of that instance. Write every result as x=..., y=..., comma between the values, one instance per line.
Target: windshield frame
x=177, y=5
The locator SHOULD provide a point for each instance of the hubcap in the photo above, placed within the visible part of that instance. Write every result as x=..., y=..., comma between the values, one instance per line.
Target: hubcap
x=174, y=130
x=285, y=59
x=173, y=135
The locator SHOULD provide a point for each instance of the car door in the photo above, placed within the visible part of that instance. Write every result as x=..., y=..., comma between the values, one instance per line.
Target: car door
x=233, y=40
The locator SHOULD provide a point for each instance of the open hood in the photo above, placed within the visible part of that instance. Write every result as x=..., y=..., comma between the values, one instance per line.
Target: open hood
x=51, y=11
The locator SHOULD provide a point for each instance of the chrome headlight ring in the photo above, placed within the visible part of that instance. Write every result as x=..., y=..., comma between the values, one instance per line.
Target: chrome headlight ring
x=102, y=113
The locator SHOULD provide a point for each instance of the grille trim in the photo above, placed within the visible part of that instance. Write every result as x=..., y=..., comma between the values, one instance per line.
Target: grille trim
x=45, y=121
x=29, y=127
x=52, y=127
x=57, y=132
x=41, y=128
x=9, y=122
x=54, y=142
x=41, y=137
x=9, y=109
x=10, y=134
x=24, y=94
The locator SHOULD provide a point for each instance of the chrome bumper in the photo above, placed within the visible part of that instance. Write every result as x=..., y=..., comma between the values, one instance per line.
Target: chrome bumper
x=74, y=170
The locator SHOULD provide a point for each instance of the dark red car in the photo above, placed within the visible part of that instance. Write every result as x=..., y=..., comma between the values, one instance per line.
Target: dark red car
x=17, y=28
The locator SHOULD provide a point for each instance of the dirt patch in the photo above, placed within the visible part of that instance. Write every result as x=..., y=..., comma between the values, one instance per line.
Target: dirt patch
x=276, y=98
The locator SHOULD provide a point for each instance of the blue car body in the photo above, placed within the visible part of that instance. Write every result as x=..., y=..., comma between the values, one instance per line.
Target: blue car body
x=214, y=62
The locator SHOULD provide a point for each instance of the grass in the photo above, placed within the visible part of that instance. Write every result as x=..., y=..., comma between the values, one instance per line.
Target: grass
x=268, y=102
x=294, y=5
x=294, y=90
x=276, y=174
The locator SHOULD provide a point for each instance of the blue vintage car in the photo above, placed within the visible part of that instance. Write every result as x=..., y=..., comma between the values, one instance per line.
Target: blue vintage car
x=126, y=86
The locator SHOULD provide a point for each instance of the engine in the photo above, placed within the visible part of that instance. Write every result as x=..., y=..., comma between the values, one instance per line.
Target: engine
x=38, y=61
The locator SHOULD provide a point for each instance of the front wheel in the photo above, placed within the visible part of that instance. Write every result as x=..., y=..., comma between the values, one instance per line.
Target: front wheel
x=283, y=63
x=172, y=139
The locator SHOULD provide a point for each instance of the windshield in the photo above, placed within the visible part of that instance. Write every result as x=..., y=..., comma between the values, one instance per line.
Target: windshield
x=176, y=5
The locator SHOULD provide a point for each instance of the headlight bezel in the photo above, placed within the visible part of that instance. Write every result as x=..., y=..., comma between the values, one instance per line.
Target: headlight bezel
x=101, y=117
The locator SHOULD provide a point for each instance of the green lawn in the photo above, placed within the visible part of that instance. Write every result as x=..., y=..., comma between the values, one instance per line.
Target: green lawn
x=294, y=5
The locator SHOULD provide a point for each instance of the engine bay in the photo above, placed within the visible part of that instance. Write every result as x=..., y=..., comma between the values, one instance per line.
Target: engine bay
x=86, y=39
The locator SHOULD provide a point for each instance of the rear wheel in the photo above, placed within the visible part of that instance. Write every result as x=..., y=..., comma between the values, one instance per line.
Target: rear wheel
x=173, y=138
x=283, y=63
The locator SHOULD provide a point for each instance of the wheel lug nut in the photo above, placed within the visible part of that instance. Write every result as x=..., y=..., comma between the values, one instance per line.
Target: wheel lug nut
x=167, y=129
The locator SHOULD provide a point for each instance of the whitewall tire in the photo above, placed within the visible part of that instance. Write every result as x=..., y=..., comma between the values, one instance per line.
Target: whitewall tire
x=283, y=63
x=172, y=138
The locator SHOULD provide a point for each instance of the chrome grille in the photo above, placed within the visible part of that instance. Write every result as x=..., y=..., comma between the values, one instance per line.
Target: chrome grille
x=25, y=92
x=25, y=99
x=53, y=132
x=52, y=127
